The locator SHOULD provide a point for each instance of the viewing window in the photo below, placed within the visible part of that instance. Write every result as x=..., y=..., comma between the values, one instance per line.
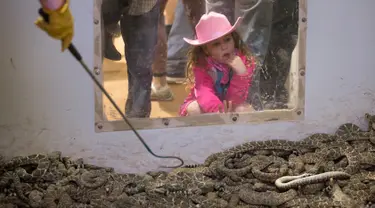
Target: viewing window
x=180, y=63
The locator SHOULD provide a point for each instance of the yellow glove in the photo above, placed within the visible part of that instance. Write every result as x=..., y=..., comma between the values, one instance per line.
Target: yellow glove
x=60, y=25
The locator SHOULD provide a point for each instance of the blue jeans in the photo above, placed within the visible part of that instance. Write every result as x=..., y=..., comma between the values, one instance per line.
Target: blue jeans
x=177, y=47
x=140, y=37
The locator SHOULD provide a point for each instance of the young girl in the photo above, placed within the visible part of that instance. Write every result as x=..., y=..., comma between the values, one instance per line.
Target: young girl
x=220, y=66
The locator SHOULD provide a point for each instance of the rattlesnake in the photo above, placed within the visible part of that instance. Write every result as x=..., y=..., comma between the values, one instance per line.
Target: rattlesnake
x=290, y=182
x=244, y=176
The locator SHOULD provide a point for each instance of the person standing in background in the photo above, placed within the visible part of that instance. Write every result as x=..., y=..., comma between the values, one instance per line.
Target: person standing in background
x=159, y=89
x=186, y=16
x=170, y=61
x=177, y=49
x=138, y=21
x=139, y=28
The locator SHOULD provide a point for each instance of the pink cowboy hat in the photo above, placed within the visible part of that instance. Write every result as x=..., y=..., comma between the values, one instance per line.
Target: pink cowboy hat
x=212, y=26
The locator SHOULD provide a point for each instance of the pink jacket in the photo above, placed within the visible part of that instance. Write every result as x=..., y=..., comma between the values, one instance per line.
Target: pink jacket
x=204, y=89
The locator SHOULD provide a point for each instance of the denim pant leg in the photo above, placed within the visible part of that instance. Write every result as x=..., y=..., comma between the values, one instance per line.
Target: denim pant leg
x=256, y=25
x=140, y=38
x=160, y=59
x=177, y=47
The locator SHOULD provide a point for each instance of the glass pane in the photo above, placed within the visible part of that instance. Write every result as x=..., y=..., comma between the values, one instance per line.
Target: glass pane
x=184, y=58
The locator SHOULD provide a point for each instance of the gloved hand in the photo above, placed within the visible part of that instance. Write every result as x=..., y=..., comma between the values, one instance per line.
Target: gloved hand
x=60, y=24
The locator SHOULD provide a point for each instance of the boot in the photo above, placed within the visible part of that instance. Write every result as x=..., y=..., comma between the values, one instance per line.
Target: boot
x=110, y=51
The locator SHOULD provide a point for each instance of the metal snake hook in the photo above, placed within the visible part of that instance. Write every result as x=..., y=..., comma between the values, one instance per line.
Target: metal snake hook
x=78, y=56
x=122, y=114
x=127, y=121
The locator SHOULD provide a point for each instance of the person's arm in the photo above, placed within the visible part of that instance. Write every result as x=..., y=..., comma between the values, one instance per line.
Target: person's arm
x=52, y=4
x=240, y=83
x=205, y=92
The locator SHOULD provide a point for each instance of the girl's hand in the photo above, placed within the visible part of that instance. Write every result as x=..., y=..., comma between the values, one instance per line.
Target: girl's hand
x=237, y=65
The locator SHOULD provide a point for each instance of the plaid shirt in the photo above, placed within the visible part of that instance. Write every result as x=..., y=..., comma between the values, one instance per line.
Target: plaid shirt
x=139, y=7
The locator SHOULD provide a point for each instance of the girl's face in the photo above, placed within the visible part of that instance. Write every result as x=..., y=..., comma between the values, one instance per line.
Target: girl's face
x=221, y=49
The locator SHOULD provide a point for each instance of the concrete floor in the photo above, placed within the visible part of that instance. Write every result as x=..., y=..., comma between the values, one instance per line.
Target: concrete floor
x=115, y=82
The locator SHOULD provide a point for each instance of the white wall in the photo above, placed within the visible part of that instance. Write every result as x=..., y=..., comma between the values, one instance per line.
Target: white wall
x=47, y=99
